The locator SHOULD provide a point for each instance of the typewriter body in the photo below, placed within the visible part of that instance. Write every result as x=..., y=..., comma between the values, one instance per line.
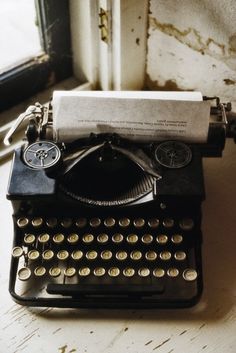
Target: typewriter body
x=103, y=221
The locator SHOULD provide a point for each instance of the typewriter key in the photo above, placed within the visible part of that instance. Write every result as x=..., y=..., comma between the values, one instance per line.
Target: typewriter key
x=39, y=271
x=172, y=272
x=158, y=272
x=144, y=272
x=124, y=222
x=24, y=273
x=186, y=224
x=180, y=255
x=136, y=255
x=168, y=222
x=84, y=271
x=73, y=238
x=147, y=238
x=29, y=239
x=95, y=222
x=153, y=223
x=165, y=255
x=17, y=252
x=69, y=272
x=121, y=255
x=190, y=274
x=66, y=222
x=51, y=222
x=81, y=222
x=102, y=238
x=22, y=222
x=58, y=238
x=88, y=238
x=128, y=272
x=151, y=255
x=37, y=222
x=162, y=239
x=117, y=238
x=33, y=254
x=77, y=255
x=113, y=271
x=54, y=271
x=62, y=255
x=99, y=271
x=48, y=255
x=177, y=238
x=109, y=222
x=106, y=255
x=43, y=238
x=132, y=238
x=91, y=255
x=139, y=222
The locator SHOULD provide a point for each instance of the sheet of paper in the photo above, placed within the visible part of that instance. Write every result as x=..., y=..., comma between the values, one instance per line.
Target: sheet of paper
x=140, y=115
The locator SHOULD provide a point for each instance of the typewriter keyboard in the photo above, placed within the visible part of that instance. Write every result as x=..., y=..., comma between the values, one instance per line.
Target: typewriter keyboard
x=106, y=256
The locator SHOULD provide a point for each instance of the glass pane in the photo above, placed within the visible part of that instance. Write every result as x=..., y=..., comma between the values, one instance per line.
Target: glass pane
x=19, y=34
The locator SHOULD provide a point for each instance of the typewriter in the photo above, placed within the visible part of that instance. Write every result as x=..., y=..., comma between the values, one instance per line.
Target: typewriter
x=104, y=221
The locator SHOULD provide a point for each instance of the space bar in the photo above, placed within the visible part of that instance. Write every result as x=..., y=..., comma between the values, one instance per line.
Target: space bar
x=93, y=289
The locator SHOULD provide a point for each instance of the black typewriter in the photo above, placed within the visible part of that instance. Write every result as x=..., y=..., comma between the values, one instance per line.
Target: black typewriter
x=107, y=222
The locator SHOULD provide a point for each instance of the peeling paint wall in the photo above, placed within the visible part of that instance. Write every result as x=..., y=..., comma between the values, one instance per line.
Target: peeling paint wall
x=192, y=46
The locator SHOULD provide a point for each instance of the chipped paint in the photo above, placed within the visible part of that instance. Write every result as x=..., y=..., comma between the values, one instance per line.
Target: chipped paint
x=169, y=85
x=229, y=82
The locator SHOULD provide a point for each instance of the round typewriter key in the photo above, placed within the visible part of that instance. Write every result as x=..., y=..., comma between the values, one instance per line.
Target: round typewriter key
x=144, y=272
x=39, y=271
x=172, y=272
x=153, y=223
x=102, y=238
x=106, y=255
x=180, y=255
x=95, y=222
x=190, y=274
x=99, y=271
x=158, y=272
x=69, y=272
x=66, y=222
x=147, y=238
x=113, y=271
x=132, y=238
x=58, y=238
x=51, y=222
x=24, y=273
x=62, y=255
x=88, y=238
x=77, y=255
x=177, y=238
x=37, y=222
x=29, y=239
x=91, y=255
x=136, y=255
x=33, y=254
x=165, y=255
x=121, y=255
x=139, y=222
x=162, y=239
x=17, y=252
x=151, y=255
x=54, y=271
x=48, y=255
x=73, y=238
x=84, y=271
x=124, y=222
x=117, y=238
x=81, y=222
x=186, y=224
x=168, y=222
x=128, y=272
x=43, y=238
x=109, y=222
x=22, y=222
